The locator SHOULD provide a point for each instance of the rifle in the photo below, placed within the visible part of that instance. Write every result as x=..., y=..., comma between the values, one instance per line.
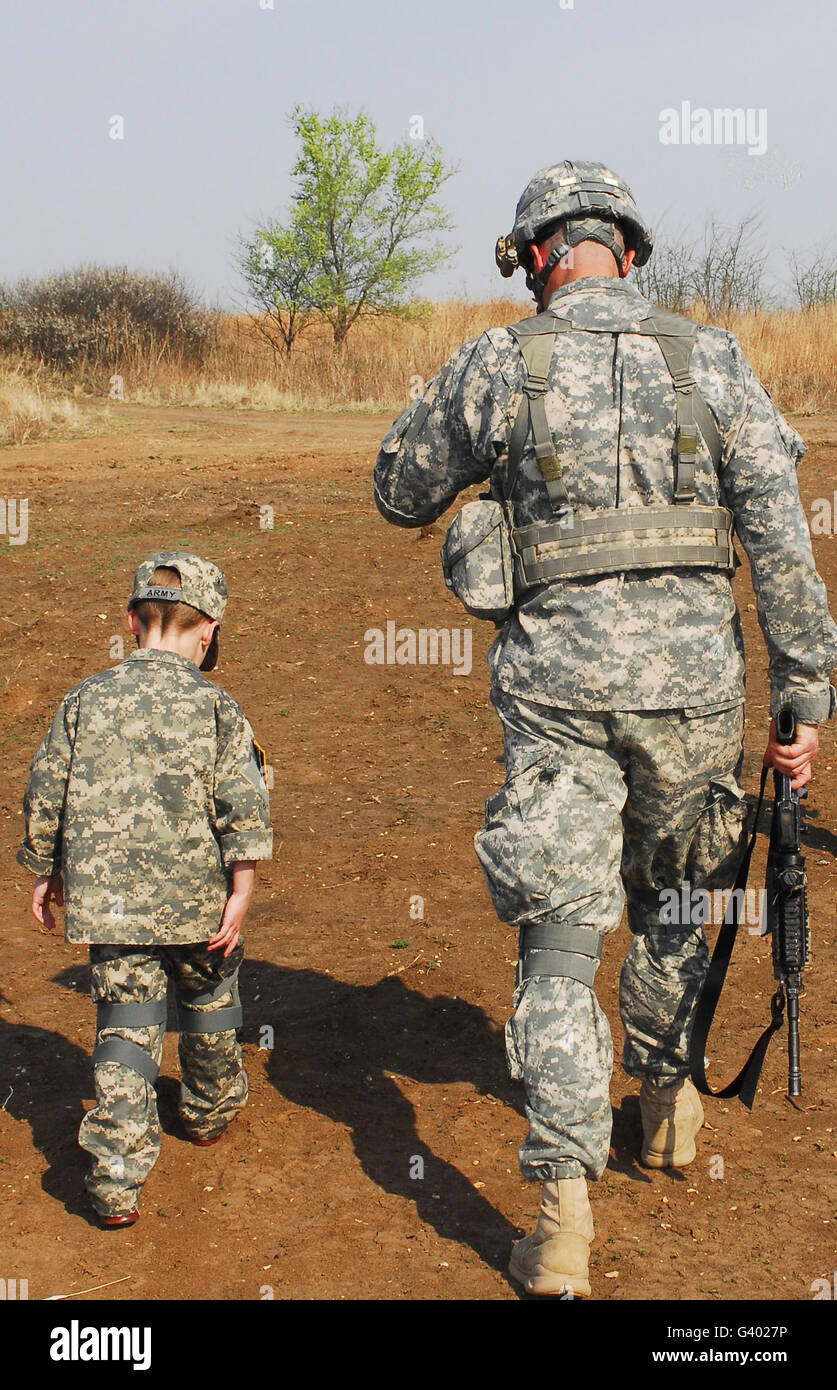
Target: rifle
x=787, y=921
x=787, y=899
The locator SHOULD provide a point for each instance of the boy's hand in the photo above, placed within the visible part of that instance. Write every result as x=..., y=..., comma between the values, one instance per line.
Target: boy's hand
x=232, y=922
x=48, y=887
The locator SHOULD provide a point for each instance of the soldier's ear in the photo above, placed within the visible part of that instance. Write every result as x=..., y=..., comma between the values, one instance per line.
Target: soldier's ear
x=133, y=622
x=539, y=257
x=629, y=260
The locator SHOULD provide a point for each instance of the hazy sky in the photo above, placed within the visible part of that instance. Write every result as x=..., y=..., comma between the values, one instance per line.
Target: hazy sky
x=205, y=86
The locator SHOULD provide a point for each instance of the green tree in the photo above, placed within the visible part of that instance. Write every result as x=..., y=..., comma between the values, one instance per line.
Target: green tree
x=360, y=232
x=276, y=271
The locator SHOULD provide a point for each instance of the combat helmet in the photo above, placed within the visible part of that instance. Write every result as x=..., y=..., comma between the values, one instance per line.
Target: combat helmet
x=592, y=199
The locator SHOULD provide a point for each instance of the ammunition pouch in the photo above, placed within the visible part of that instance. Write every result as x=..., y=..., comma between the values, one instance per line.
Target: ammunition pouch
x=477, y=560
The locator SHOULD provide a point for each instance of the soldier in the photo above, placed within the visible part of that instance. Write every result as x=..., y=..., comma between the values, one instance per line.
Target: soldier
x=147, y=808
x=622, y=444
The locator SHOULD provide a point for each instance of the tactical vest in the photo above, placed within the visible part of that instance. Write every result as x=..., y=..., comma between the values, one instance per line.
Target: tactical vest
x=614, y=538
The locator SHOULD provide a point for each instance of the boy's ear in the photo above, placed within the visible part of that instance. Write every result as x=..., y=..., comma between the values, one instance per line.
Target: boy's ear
x=133, y=622
x=210, y=660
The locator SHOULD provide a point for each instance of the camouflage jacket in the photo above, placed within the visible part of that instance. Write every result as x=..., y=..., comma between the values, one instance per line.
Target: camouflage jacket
x=146, y=789
x=659, y=639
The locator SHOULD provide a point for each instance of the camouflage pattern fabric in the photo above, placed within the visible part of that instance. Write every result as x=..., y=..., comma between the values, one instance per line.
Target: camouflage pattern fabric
x=122, y=1132
x=144, y=793
x=577, y=189
x=621, y=695
x=589, y=197
x=477, y=560
x=202, y=583
x=597, y=809
x=660, y=639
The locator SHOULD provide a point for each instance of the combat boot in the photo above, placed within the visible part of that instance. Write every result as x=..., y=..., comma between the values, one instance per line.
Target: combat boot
x=671, y=1117
x=553, y=1260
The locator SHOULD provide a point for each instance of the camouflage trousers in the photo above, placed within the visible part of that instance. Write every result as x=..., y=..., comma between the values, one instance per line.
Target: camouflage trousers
x=598, y=809
x=122, y=1132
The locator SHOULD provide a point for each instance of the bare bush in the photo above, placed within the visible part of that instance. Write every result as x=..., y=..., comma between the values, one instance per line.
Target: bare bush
x=94, y=316
x=724, y=274
x=669, y=277
x=815, y=278
x=728, y=273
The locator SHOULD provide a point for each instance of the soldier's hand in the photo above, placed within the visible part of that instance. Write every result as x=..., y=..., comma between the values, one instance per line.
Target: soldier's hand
x=49, y=887
x=795, y=759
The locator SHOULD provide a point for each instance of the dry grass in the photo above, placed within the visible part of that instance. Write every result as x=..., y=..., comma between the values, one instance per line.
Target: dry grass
x=27, y=412
x=375, y=371
x=794, y=353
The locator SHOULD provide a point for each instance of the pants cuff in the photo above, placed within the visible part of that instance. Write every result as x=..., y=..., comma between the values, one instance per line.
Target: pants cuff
x=658, y=1072
x=554, y=1171
x=119, y=1204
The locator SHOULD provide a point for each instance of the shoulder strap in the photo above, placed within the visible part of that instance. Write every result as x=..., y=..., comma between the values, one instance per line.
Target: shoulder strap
x=708, y=428
x=676, y=336
x=536, y=340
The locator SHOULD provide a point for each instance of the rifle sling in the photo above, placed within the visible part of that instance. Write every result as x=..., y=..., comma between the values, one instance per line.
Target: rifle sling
x=745, y=1083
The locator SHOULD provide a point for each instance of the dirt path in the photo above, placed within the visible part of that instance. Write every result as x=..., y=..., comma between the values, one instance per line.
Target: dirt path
x=382, y=1053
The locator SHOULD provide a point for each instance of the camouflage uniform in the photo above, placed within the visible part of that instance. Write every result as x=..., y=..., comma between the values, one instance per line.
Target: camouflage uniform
x=123, y=1131
x=621, y=695
x=146, y=791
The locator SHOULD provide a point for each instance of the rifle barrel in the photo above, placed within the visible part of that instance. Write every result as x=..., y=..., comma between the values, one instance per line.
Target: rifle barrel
x=794, y=1064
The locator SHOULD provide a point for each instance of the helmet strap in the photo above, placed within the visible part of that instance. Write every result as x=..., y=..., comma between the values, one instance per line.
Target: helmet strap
x=578, y=230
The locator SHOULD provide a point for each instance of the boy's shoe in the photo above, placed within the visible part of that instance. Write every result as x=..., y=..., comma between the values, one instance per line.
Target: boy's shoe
x=112, y=1223
x=672, y=1115
x=213, y=1139
x=554, y=1259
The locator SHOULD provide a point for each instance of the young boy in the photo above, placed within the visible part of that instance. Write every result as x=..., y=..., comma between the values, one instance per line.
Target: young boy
x=147, y=798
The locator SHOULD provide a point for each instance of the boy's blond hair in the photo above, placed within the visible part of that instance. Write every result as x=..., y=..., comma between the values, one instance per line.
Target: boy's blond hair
x=162, y=613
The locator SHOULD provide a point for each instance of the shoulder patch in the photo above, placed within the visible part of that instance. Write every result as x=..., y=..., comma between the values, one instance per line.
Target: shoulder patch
x=257, y=767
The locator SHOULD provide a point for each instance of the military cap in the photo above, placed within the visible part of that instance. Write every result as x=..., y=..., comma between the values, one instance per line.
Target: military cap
x=202, y=584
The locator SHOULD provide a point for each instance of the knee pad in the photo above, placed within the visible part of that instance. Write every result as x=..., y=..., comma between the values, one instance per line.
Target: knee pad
x=196, y=1020
x=554, y=948
x=129, y=1054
